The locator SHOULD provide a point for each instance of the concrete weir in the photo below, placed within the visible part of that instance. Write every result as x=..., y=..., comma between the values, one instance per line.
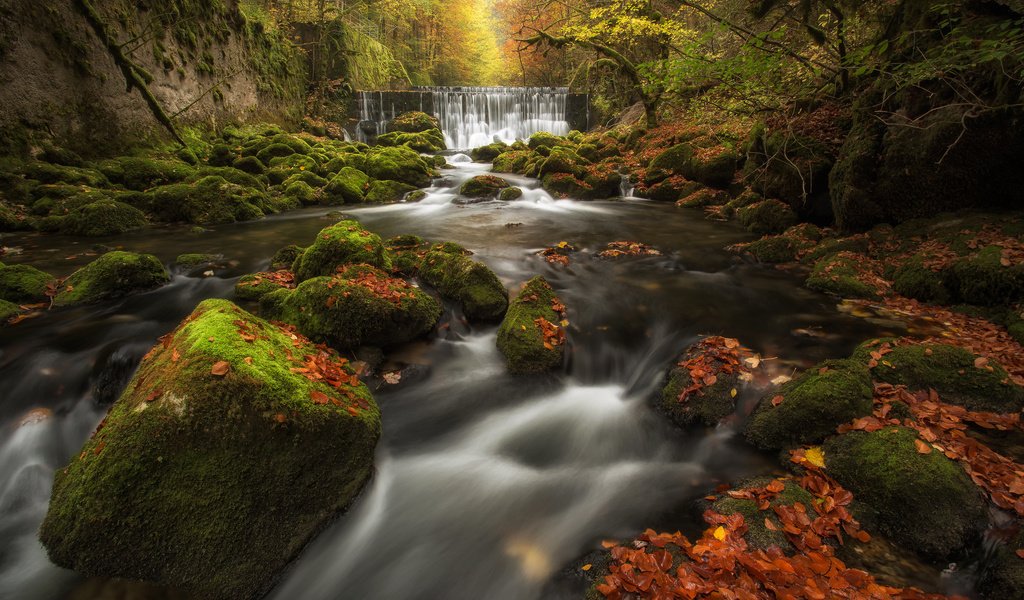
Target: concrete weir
x=475, y=116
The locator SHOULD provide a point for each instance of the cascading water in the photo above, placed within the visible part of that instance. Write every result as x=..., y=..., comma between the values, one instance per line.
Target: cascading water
x=476, y=116
x=471, y=116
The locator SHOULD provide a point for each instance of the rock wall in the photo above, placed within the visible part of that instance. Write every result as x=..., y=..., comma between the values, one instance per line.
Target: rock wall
x=209, y=62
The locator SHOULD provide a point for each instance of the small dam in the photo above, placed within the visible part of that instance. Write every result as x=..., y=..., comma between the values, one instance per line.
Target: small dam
x=476, y=116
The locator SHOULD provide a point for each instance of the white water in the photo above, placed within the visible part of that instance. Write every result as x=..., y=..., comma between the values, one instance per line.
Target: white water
x=476, y=116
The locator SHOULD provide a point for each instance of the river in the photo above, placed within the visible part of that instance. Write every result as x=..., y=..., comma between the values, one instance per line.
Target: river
x=486, y=484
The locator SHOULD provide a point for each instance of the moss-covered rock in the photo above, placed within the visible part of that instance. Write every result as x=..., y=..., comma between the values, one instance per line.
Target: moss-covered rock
x=398, y=163
x=256, y=285
x=359, y=306
x=195, y=260
x=430, y=140
x=812, y=406
x=483, y=186
x=703, y=197
x=510, y=193
x=285, y=257
x=564, y=160
x=670, y=190
x=767, y=216
x=489, y=152
x=522, y=338
x=406, y=252
x=914, y=280
x=984, y=280
x=23, y=284
x=209, y=201
x=758, y=536
x=345, y=242
x=113, y=275
x=950, y=371
x=413, y=122
x=250, y=165
x=44, y=172
x=308, y=177
x=218, y=464
x=302, y=193
x=709, y=405
x=924, y=501
x=543, y=139
x=839, y=274
x=449, y=268
x=386, y=192
x=348, y=186
x=139, y=173
x=104, y=217
x=513, y=161
x=8, y=310
x=773, y=250
x=272, y=151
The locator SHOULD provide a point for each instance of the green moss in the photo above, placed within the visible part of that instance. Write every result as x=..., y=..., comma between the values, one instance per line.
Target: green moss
x=50, y=173
x=708, y=406
x=213, y=483
x=254, y=286
x=285, y=257
x=758, y=536
x=191, y=261
x=386, y=192
x=413, y=122
x=8, y=310
x=359, y=306
x=398, y=163
x=272, y=151
x=813, y=405
x=489, y=152
x=511, y=161
x=777, y=249
x=983, y=280
x=448, y=268
x=249, y=164
x=23, y=284
x=113, y=275
x=838, y=274
x=546, y=140
x=105, y=217
x=914, y=280
x=138, y=173
x=406, y=252
x=565, y=185
x=924, y=501
x=950, y=371
x=483, y=186
x=232, y=175
x=703, y=197
x=348, y=186
x=564, y=160
x=208, y=201
x=671, y=189
x=767, y=216
x=308, y=177
x=521, y=339
x=431, y=140
x=510, y=193
x=830, y=246
x=345, y=242
x=302, y=193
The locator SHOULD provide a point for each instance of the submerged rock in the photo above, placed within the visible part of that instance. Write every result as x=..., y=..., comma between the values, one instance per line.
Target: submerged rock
x=531, y=336
x=449, y=268
x=113, y=275
x=924, y=501
x=218, y=463
x=23, y=284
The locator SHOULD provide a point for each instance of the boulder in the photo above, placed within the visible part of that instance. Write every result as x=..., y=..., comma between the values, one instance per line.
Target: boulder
x=449, y=269
x=531, y=336
x=113, y=275
x=218, y=464
x=23, y=284
x=483, y=187
x=345, y=242
x=104, y=217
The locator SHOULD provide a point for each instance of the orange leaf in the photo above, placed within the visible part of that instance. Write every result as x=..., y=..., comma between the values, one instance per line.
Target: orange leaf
x=922, y=448
x=220, y=368
x=318, y=397
x=777, y=400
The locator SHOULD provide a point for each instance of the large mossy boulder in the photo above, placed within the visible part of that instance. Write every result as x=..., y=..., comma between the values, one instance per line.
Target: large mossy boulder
x=406, y=252
x=758, y=535
x=431, y=140
x=345, y=242
x=113, y=275
x=983, y=279
x=489, y=152
x=840, y=274
x=209, y=201
x=957, y=375
x=767, y=216
x=141, y=173
x=387, y=192
x=104, y=217
x=218, y=464
x=455, y=275
x=531, y=336
x=359, y=306
x=923, y=501
x=398, y=163
x=483, y=187
x=347, y=187
x=811, y=407
x=715, y=165
x=23, y=284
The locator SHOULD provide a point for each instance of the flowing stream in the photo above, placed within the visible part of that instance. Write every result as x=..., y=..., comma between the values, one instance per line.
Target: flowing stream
x=486, y=484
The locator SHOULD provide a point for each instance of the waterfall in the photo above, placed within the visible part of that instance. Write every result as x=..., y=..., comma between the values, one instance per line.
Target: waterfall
x=476, y=116
x=470, y=116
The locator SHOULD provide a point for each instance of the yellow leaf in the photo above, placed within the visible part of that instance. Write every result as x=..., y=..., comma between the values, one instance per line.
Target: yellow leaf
x=815, y=456
x=732, y=392
x=563, y=244
x=586, y=567
x=564, y=322
x=720, y=533
x=302, y=168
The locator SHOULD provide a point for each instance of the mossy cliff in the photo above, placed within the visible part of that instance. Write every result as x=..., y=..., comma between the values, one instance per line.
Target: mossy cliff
x=218, y=463
x=207, y=62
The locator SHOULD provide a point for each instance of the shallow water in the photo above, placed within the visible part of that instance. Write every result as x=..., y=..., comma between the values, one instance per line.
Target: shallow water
x=486, y=484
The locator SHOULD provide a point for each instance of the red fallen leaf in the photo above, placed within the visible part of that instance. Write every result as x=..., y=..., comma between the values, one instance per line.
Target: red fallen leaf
x=777, y=400
x=99, y=447
x=174, y=355
x=980, y=362
x=280, y=418
x=1020, y=553
x=775, y=486
x=220, y=368
x=352, y=411
x=318, y=397
x=922, y=448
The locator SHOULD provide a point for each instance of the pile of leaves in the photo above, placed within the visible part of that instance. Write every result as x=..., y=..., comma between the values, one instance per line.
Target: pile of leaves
x=721, y=565
x=712, y=357
x=554, y=334
x=627, y=248
x=325, y=366
x=391, y=289
x=559, y=253
x=283, y=278
x=944, y=428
